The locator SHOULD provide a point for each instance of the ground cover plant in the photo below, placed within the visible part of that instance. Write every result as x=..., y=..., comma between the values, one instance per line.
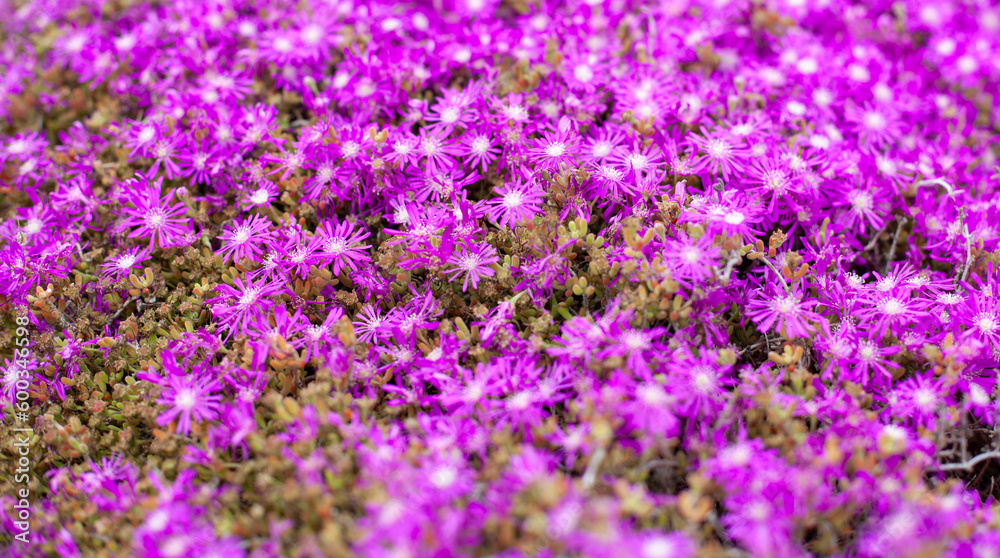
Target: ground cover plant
x=499, y=278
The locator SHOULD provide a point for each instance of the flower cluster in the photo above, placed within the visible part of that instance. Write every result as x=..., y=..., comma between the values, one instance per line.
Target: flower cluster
x=502, y=278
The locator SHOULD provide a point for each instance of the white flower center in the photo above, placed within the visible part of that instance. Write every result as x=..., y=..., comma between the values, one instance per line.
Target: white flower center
x=555, y=149
x=154, y=219
x=480, y=145
x=874, y=121
x=450, y=115
x=443, y=477
x=635, y=341
x=336, y=246
x=350, y=148
x=242, y=235
x=734, y=218
x=126, y=261
x=893, y=307
x=704, y=380
x=986, y=323
x=638, y=160
x=513, y=199
x=862, y=201
x=259, y=197
x=786, y=305
x=283, y=45
x=719, y=149
x=583, y=73
x=312, y=34
x=469, y=262
x=925, y=399
x=659, y=547
x=248, y=298
x=601, y=149
x=651, y=395
x=185, y=399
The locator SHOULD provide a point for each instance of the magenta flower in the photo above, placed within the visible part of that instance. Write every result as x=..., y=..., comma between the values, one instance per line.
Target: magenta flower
x=480, y=150
x=152, y=216
x=342, y=242
x=718, y=154
x=473, y=263
x=554, y=148
x=199, y=162
x=191, y=397
x=518, y=202
x=238, y=306
x=246, y=239
x=786, y=313
x=121, y=265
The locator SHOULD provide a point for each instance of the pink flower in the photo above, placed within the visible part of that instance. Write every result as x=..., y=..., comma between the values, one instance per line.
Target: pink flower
x=190, y=397
x=784, y=312
x=473, y=263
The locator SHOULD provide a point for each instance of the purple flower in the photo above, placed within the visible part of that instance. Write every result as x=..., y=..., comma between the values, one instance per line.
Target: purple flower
x=151, y=215
x=518, y=202
x=719, y=155
x=120, y=266
x=473, y=263
x=246, y=239
x=238, y=306
x=787, y=313
x=189, y=397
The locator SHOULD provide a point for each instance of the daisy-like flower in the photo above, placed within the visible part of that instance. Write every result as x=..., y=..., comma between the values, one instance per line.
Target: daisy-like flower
x=702, y=383
x=238, y=306
x=288, y=163
x=636, y=346
x=447, y=115
x=12, y=372
x=246, y=239
x=607, y=182
x=260, y=196
x=299, y=252
x=640, y=159
x=152, y=215
x=787, y=313
x=327, y=172
x=164, y=152
x=862, y=209
x=871, y=364
x=119, y=266
x=554, y=148
x=142, y=136
x=894, y=311
x=518, y=202
x=199, y=162
x=342, y=242
x=919, y=398
x=980, y=317
x=22, y=146
x=692, y=260
x=718, y=154
x=876, y=125
x=437, y=150
x=370, y=324
x=403, y=150
x=474, y=263
x=190, y=397
x=655, y=544
x=480, y=150
x=773, y=181
x=650, y=410
x=603, y=147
